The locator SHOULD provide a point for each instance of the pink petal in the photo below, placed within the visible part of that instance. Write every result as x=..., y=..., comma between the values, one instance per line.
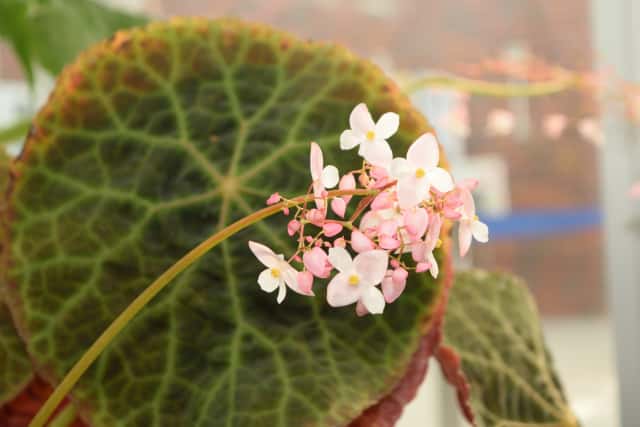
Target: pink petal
x=264, y=254
x=273, y=199
x=400, y=276
x=389, y=243
x=464, y=238
x=332, y=229
x=293, y=226
x=468, y=205
x=422, y=267
x=407, y=192
x=424, y=152
x=392, y=290
x=388, y=227
x=470, y=184
x=360, y=119
x=361, y=310
x=383, y=200
x=316, y=162
x=339, y=206
x=360, y=242
x=347, y=182
x=416, y=222
x=340, y=243
x=305, y=282
x=317, y=262
x=316, y=217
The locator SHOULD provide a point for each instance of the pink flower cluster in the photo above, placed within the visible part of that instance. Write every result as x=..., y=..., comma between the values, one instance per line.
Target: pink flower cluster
x=390, y=233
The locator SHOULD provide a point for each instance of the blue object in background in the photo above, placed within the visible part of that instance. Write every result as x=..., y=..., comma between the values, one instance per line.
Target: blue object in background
x=542, y=223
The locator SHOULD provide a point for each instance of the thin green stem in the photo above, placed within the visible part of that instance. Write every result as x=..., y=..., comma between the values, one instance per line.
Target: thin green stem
x=15, y=131
x=66, y=417
x=496, y=89
x=154, y=288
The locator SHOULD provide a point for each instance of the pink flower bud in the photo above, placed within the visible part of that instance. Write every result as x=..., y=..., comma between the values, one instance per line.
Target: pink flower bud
x=363, y=179
x=399, y=276
x=316, y=216
x=339, y=206
x=340, y=243
x=317, y=262
x=285, y=211
x=360, y=242
x=390, y=289
x=361, y=310
x=293, y=226
x=422, y=267
x=305, y=282
x=297, y=258
x=347, y=182
x=273, y=199
x=389, y=243
x=416, y=222
x=332, y=229
x=394, y=263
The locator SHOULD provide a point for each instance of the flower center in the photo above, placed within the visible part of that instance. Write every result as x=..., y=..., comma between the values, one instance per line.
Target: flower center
x=354, y=280
x=420, y=173
x=275, y=272
x=371, y=135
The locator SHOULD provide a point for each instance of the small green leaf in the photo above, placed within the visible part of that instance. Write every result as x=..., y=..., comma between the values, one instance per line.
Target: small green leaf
x=492, y=328
x=51, y=33
x=150, y=142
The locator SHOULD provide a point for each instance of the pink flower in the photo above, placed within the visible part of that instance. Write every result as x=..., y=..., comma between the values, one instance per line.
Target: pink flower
x=500, y=123
x=394, y=284
x=416, y=221
x=554, y=125
x=470, y=226
x=347, y=182
x=323, y=177
x=278, y=275
x=339, y=206
x=317, y=262
x=273, y=199
x=305, y=281
x=357, y=279
x=419, y=171
x=369, y=136
x=292, y=227
x=316, y=216
x=383, y=200
x=422, y=251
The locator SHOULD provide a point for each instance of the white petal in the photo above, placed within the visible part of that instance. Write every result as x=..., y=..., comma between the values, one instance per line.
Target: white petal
x=330, y=176
x=377, y=152
x=387, y=125
x=265, y=255
x=360, y=119
x=340, y=292
x=349, y=139
x=267, y=282
x=282, y=292
x=371, y=266
x=400, y=167
x=468, y=205
x=315, y=161
x=424, y=152
x=373, y=300
x=433, y=269
x=480, y=231
x=290, y=277
x=408, y=192
x=441, y=179
x=340, y=259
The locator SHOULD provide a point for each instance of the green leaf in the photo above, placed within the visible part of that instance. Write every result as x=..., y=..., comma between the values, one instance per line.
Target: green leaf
x=51, y=33
x=15, y=366
x=152, y=141
x=495, y=354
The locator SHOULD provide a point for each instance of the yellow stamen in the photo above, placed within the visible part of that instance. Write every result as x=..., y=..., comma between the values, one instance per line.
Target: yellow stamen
x=438, y=243
x=371, y=135
x=275, y=272
x=354, y=279
x=420, y=173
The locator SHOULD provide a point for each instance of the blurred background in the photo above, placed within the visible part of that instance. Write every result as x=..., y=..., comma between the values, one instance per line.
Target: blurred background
x=558, y=167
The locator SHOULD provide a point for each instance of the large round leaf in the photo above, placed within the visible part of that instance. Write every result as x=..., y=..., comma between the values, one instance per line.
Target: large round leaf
x=152, y=141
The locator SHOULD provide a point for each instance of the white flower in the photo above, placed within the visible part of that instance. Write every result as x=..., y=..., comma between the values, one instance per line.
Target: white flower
x=323, y=177
x=357, y=279
x=419, y=171
x=371, y=137
x=470, y=226
x=279, y=273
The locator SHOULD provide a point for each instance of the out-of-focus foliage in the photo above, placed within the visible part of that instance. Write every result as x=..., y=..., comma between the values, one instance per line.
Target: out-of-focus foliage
x=51, y=33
